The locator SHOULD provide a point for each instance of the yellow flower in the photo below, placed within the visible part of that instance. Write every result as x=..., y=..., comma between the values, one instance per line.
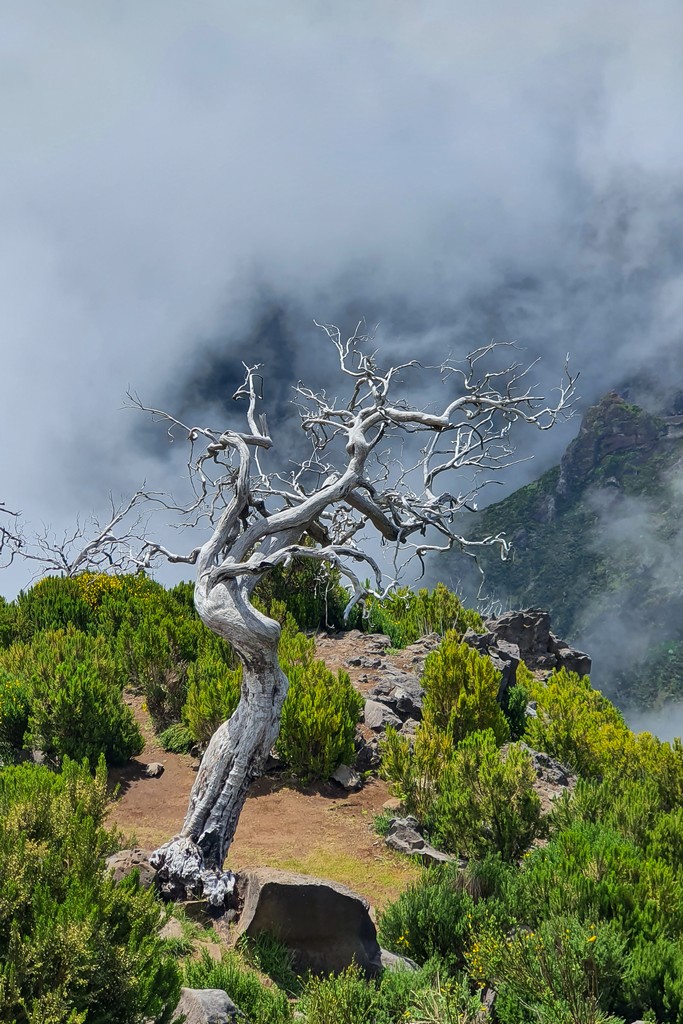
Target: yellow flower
x=591, y=938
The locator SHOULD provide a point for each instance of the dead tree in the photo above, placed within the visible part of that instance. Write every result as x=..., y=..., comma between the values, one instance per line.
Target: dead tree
x=11, y=541
x=376, y=462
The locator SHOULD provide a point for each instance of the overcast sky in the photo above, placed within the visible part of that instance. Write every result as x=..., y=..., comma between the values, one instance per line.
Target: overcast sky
x=187, y=185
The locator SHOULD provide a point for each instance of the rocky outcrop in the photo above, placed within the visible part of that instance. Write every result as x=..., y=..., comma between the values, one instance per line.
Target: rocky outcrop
x=611, y=427
x=526, y=635
x=405, y=836
x=325, y=925
x=206, y=1006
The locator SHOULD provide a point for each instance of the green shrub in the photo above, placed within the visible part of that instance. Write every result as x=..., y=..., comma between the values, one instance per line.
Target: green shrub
x=486, y=800
x=566, y=971
x=74, y=946
x=155, y=644
x=14, y=712
x=415, y=769
x=461, y=692
x=52, y=603
x=406, y=615
x=344, y=998
x=77, y=715
x=260, y=1004
x=177, y=739
x=213, y=692
x=74, y=689
x=271, y=957
x=577, y=725
x=318, y=721
x=431, y=919
x=514, y=709
x=311, y=592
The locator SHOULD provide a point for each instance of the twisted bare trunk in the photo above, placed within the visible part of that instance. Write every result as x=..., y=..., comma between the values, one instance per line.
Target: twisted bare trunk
x=192, y=862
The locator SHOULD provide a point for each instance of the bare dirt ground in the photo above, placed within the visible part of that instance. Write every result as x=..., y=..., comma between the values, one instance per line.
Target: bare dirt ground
x=318, y=830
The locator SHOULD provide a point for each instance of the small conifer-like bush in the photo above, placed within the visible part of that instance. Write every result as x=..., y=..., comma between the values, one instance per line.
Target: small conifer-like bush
x=74, y=946
x=318, y=723
x=486, y=800
x=74, y=689
x=320, y=713
x=259, y=1003
x=461, y=692
x=576, y=724
x=405, y=615
x=213, y=692
x=14, y=713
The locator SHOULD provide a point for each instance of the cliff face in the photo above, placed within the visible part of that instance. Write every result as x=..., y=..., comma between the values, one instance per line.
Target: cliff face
x=598, y=540
x=614, y=435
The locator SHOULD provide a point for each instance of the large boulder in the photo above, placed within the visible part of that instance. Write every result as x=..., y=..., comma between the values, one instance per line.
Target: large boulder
x=325, y=925
x=526, y=634
x=206, y=1006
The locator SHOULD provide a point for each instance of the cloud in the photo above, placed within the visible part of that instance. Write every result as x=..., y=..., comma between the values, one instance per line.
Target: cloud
x=179, y=178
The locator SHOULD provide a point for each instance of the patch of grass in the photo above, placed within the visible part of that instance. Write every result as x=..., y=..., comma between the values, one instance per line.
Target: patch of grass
x=380, y=880
x=272, y=958
x=258, y=1002
x=382, y=822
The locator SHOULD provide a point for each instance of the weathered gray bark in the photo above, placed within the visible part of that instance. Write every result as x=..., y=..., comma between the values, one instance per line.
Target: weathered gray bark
x=236, y=754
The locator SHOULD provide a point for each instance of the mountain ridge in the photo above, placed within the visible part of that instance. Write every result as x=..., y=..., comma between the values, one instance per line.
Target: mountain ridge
x=598, y=540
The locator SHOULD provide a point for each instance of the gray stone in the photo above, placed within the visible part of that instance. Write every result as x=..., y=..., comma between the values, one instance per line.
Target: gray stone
x=400, y=691
x=379, y=716
x=367, y=753
x=396, y=962
x=547, y=769
x=325, y=925
x=206, y=1006
x=172, y=929
x=154, y=769
x=125, y=862
x=503, y=653
x=347, y=777
x=404, y=837
x=528, y=632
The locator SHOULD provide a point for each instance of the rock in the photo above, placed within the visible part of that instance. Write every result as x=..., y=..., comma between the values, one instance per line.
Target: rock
x=394, y=803
x=379, y=716
x=526, y=634
x=574, y=661
x=347, y=777
x=503, y=653
x=324, y=924
x=367, y=753
x=124, y=862
x=548, y=769
x=154, y=769
x=401, y=692
x=206, y=1006
x=404, y=837
x=396, y=962
x=172, y=929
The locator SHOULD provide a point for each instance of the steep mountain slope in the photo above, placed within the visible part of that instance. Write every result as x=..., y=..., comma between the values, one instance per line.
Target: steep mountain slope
x=598, y=541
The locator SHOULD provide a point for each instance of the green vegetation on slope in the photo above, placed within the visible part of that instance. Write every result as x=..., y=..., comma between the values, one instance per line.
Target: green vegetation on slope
x=598, y=542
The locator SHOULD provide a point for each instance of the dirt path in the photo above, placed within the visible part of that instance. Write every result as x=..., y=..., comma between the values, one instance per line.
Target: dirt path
x=318, y=830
